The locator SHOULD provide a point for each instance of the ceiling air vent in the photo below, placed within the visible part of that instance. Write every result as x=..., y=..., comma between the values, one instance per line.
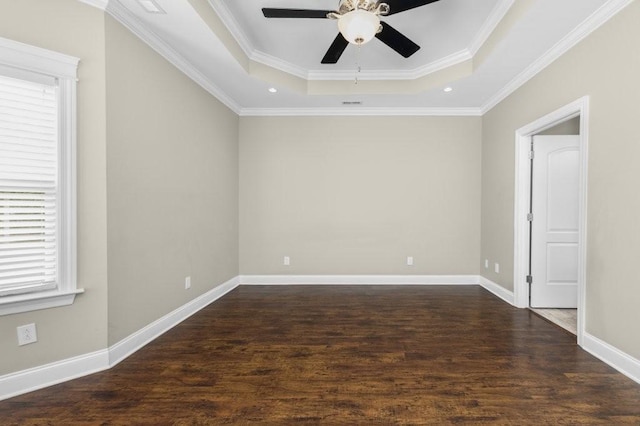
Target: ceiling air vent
x=351, y=102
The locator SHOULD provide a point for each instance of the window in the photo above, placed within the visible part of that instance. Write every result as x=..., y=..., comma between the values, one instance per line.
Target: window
x=37, y=178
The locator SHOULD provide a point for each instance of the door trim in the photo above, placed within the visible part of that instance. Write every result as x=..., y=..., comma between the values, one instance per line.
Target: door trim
x=578, y=108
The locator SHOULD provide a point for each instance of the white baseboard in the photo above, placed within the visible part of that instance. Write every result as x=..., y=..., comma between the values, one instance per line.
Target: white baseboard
x=24, y=381
x=135, y=341
x=498, y=290
x=624, y=363
x=359, y=279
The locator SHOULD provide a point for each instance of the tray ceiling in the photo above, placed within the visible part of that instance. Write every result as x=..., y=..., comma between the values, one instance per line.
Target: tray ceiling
x=481, y=49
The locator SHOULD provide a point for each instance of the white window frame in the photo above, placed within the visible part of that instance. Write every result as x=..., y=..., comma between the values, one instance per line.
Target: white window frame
x=23, y=58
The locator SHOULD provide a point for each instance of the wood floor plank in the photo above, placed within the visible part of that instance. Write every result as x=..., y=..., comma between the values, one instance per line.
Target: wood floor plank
x=347, y=355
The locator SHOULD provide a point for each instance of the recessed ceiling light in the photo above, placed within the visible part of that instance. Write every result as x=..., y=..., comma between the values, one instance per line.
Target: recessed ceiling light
x=151, y=6
x=448, y=89
x=273, y=89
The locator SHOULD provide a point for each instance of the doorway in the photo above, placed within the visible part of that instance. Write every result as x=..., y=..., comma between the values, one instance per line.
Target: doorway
x=553, y=257
x=559, y=260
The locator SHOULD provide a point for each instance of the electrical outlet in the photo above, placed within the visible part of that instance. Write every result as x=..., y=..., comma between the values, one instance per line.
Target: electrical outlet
x=409, y=260
x=486, y=264
x=286, y=261
x=496, y=268
x=187, y=283
x=27, y=334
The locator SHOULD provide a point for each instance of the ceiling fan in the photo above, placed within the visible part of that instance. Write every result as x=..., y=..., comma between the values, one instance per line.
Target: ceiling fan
x=358, y=22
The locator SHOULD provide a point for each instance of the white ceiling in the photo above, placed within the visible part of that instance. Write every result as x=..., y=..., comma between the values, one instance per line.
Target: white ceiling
x=515, y=39
x=441, y=29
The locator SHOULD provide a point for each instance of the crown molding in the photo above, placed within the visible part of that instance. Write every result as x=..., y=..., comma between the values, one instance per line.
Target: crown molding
x=279, y=64
x=124, y=17
x=247, y=47
x=232, y=25
x=490, y=24
x=597, y=19
x=360, y=111
x=100, y=4
x=430, y=68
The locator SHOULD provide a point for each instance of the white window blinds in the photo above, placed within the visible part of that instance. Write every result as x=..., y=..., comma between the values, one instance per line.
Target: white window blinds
x=28, y=185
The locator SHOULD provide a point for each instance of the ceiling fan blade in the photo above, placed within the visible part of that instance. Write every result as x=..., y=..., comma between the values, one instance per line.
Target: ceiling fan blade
x=295, y=13
x=396, y=40
x=335, y=50
x=396, y=6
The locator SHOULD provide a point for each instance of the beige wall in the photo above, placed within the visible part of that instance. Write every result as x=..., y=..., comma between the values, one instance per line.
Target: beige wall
x=604, y=67
x=75, y=29
x=357, y=195
x=172, y=170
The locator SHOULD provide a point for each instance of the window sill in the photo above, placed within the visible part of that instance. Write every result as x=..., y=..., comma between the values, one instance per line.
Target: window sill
x=33, y=302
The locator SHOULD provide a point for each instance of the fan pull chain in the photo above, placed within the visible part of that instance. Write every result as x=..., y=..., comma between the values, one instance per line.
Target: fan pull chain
x=358, y=69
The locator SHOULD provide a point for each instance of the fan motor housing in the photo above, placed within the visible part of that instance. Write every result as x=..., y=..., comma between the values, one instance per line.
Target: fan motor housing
x=346, y=6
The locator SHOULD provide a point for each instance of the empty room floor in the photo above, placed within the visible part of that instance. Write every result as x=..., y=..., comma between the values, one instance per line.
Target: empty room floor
x=347, y=355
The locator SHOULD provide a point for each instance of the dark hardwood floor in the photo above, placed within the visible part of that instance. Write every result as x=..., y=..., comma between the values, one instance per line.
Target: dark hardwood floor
x=348, y=355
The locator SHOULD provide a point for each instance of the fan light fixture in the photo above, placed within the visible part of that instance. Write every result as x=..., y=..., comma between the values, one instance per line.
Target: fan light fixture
x=359, y=26
x=359, y=20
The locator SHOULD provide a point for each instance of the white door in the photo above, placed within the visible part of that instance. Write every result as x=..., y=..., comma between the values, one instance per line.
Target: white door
x=554, y=228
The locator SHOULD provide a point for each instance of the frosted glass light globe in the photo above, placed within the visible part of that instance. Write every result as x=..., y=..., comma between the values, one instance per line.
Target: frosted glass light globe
x=358, y=26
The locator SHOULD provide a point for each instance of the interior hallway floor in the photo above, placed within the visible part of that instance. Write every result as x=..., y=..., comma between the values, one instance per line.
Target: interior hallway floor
x=565, y=318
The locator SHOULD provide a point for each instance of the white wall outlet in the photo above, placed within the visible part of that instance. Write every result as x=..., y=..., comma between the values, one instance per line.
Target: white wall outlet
x=286, y=261
x=27, y=334
x=486, y=264
x=496, y=267
x=409, y=260
x=187, y=283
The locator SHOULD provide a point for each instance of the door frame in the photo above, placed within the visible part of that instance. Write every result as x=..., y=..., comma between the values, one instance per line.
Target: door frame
x=578, y=108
